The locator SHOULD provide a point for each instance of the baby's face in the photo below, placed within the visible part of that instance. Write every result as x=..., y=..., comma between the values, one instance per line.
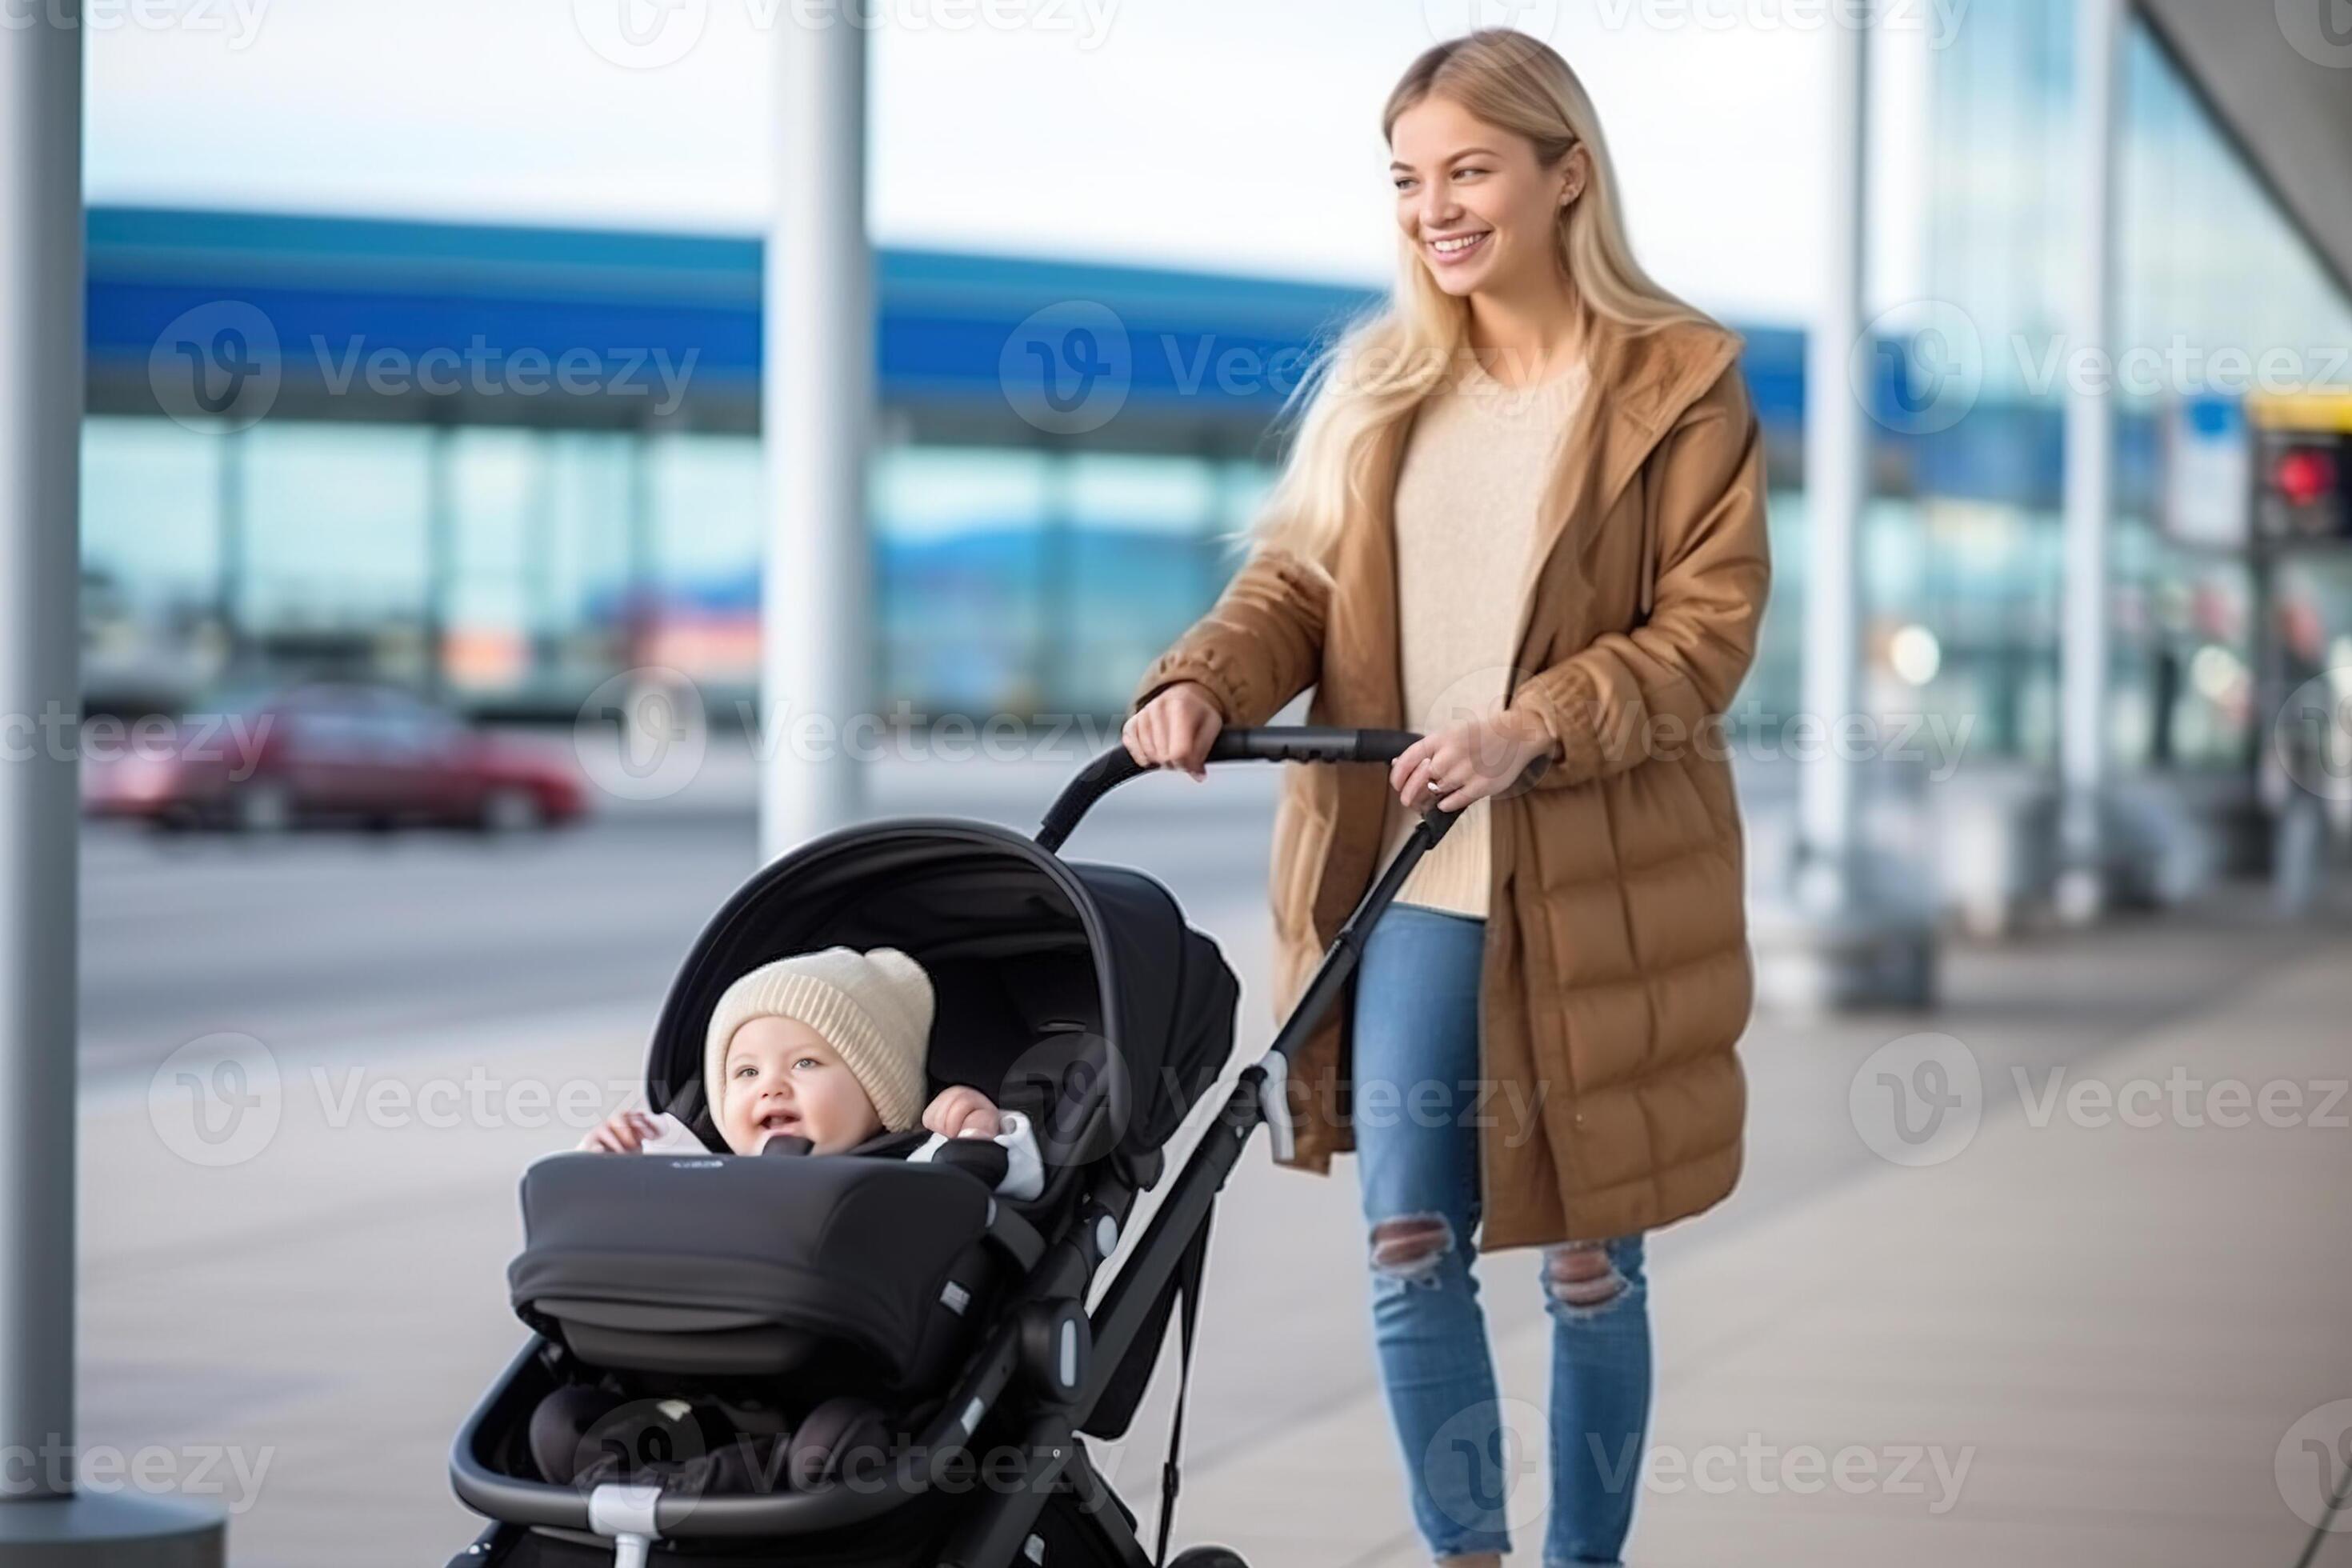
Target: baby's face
x=782, y=1077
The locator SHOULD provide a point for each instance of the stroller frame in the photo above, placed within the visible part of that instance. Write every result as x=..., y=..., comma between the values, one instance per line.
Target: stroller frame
x=1049, y=1343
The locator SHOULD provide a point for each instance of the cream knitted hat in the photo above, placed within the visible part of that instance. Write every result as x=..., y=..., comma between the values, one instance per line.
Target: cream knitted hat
x=873, y=1007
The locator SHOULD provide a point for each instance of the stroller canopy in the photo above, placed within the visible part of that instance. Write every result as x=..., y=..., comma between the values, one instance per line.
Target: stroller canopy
x=1046, y=971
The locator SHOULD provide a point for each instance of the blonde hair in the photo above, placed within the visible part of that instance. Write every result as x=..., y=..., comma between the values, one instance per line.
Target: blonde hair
x=1384, y=365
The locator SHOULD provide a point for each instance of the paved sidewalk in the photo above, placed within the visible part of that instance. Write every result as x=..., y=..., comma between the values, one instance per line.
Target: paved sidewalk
x=2114, y=1329
x=2094, y=1344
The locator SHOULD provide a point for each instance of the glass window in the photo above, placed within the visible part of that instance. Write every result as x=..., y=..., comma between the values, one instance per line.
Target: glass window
x=150, y=509
x=962, y=576
x=499, y=510
x=1136, y=530
x=2207, y=264
x=336, y=525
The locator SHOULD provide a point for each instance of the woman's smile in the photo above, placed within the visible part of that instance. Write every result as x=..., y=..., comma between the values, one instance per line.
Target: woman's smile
x=1452, y=249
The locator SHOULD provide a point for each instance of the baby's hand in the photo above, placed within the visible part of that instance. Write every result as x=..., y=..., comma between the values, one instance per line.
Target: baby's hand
x=961, y=1113
x=622, y=1132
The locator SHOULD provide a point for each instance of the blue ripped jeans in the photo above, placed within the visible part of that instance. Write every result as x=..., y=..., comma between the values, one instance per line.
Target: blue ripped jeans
x=1419, y=1115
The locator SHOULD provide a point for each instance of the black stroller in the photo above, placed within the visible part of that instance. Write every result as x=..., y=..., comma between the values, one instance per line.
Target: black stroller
x=902, y=1373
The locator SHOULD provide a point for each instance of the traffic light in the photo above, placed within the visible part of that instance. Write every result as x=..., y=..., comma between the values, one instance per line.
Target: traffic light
x=2305, y=490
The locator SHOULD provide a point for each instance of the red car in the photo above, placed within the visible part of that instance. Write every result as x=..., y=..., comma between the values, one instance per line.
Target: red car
x=330, y=751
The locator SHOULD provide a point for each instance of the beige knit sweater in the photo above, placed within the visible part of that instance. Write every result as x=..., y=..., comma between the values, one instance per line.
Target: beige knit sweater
x=1466, y=493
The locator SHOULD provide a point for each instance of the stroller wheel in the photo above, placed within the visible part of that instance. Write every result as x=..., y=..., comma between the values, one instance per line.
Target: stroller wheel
x=1208, y=1557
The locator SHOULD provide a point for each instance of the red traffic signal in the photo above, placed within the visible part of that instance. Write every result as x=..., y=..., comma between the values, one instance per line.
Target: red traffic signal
x=2305, y=474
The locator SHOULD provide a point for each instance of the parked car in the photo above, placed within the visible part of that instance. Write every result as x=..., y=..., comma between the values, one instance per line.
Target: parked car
x=331, y=750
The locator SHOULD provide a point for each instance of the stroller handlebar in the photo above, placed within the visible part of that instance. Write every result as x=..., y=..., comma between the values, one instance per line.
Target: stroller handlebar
x=1265, y=744
x=1309, y=743
x=1266, y=1080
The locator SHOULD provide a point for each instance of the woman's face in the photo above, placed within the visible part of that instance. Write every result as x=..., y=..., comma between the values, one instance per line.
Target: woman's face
x=782, y=1077
x=1480, y=210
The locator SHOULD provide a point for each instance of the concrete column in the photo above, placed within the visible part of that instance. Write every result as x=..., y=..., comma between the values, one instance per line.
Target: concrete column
x=230, y=589
x=1856, y=932
x=816, y=415
x=40, y=473
x=2090, y=464
x=41, y=377
x=440, y=550
x=1837, y=483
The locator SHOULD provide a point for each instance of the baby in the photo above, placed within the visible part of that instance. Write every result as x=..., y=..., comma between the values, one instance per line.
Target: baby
x=829, y=1046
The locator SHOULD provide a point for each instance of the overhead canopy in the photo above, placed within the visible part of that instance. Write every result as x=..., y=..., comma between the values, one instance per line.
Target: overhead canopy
x=2292, y=113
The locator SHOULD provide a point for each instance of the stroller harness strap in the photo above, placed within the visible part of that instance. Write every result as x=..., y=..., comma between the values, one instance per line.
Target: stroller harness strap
x=1188, y=1297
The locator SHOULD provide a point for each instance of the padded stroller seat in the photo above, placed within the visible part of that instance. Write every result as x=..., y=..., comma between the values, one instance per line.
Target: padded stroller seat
x=724, y=1264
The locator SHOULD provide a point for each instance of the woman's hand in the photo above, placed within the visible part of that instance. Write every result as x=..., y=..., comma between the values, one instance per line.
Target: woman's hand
x=961, y=1113
x=1175, y=729
x=1469, y=761
x=622, y=1132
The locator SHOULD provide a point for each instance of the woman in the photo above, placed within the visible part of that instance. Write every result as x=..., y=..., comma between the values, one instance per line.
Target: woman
x=1525, y=512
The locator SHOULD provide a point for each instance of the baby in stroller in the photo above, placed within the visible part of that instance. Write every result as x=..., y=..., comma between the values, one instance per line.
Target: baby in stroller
x=818, y=1053
x=826, y=1051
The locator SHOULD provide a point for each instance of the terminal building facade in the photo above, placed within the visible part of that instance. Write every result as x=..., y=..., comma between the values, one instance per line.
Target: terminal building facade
x=503, y=464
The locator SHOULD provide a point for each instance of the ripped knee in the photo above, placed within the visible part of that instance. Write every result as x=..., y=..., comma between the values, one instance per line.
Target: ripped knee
x=1581, y=1278
x=1412, y=1245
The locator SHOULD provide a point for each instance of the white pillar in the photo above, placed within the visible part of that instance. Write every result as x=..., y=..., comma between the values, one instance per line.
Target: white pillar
x=1837, y=478
x=42, y=1519
x=815, y=410
x=2090, y=460
x=40, y=432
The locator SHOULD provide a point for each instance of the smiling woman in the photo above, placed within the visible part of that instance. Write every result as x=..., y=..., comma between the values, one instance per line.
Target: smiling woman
x=1523, y=514
x=1476, y=211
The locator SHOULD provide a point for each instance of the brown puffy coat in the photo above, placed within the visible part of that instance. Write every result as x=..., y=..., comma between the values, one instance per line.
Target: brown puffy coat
x=1617, y=977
